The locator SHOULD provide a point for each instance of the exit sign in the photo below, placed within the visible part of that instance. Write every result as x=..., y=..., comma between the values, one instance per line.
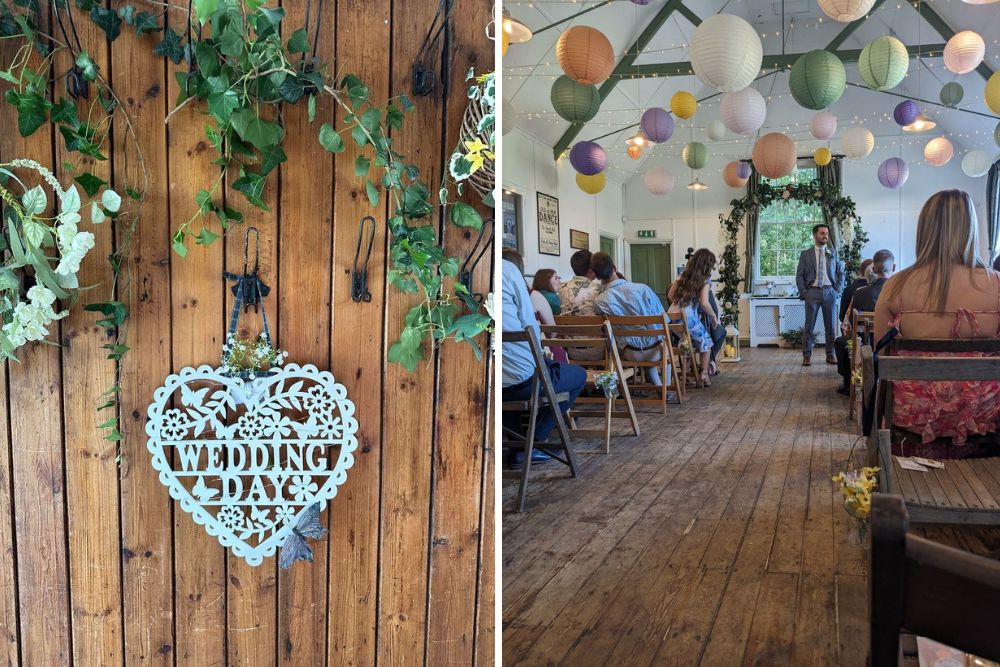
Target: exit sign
x=647, y=233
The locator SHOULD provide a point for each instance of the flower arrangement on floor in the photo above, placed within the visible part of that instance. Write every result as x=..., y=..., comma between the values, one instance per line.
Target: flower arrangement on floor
x=608, y=382
x=792, y=337
x=857, y=487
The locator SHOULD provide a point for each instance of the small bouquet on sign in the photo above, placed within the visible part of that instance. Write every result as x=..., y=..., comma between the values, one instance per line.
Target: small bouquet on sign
x=608, y=382
x=857, y=487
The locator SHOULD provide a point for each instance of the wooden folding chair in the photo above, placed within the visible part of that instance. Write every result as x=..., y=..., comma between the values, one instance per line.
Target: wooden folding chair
x=652, y=328
x=591, y=336
x=689, y=358
x=863, y=327
x=577, y=355
x=547, y=397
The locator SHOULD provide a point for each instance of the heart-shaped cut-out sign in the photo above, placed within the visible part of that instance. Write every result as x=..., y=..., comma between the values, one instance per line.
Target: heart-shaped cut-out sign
x=246, y=457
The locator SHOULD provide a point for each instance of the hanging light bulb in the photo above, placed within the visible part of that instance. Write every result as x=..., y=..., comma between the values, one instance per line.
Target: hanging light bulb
x=921, y=124
x=637, y=139
x=696, y=184
x=517, y=32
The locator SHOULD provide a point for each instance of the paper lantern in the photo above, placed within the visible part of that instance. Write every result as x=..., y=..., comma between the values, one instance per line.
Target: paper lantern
x=938, y=151
x=845, y=11
x=591, y=184
x=964, y=51
x=716, y=130
x=641, y=2
x=658, y=180
x=509, y=112
x=905, y=112
x=992, y=92
x=683, y=104
x=823, y=125
x=504, y=42
x=743, y=169
x=585, y=54
x=634, y=152
x=996, y=134
x=892, y=173
x=657, y=125
x=588, y=158
x=883, y=63
x=951, y=94
x=575, y=102
x=695, y=155
x=743, y=111
x=731, y=175
x=980, y=2
x=726, y=52
x=818, y=79
x=774, y=155
x=857, y=142
x=822, y=156
x=976, y=163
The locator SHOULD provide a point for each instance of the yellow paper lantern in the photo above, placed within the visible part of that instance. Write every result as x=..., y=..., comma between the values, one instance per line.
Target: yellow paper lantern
x=591, y=184
x=683, y=104
x=585, y=54
x=774, y=155
x=992, y=92
x=822, y=156
x=504, y=42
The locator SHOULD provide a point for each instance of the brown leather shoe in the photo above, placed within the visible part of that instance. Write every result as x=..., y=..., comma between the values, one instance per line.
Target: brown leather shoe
x=806, y=361
x=830, y=359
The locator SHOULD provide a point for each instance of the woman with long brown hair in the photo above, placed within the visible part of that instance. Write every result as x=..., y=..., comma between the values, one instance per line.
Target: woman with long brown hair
x=688, y=298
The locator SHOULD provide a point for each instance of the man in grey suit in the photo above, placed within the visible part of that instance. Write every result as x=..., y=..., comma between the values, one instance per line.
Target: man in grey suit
x=820, y=278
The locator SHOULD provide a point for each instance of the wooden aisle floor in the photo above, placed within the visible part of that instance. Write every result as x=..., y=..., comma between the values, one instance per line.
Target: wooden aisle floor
x=715, y=538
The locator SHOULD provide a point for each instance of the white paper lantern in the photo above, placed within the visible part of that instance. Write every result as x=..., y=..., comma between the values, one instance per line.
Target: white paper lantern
x=964, y=51
x=743, y=111
x=823, y=125
x=938, y=151
x=658, y=180
x=507, y=124
x=726, y=52
x=716, y=130
x=857, y=142
x=976, y=163
x=774, y=155
x=845, y=11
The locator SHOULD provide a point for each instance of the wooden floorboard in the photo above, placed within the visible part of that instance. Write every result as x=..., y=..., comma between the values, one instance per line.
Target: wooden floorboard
x=714, y=538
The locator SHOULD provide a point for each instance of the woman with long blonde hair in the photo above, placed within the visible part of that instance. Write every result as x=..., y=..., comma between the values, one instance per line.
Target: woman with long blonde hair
x=948, y=292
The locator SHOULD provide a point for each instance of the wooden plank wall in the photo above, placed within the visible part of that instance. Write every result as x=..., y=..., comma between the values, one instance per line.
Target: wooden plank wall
x=97, y=565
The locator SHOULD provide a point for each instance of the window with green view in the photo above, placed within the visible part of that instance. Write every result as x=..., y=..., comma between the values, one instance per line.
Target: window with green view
x=785, y=229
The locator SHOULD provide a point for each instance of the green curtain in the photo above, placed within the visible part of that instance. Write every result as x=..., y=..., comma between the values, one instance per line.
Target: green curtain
x=751, y=222
x=833, y=174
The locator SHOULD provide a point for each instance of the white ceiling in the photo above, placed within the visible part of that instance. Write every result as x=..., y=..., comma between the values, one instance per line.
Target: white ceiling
x=530, y=68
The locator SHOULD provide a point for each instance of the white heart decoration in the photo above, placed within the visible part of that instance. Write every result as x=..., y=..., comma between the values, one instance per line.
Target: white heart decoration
x=245, y=458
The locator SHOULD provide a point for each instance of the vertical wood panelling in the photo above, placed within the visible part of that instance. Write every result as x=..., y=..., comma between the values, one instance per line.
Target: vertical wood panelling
x=8, y=574
x=407, y=423
x=356, y=359
x=196, y=303
x=91, y=467
x=147, y=511
x=458, y=455
x=486, y=587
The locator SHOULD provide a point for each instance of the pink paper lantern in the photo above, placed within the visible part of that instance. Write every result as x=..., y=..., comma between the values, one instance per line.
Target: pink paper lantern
x=774, y=155
x=731, y=174
x=823, y=125
x=658, y=180
x=743, y=111
x=893, y=172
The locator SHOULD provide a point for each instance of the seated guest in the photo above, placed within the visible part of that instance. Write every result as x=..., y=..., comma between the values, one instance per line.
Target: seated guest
x=689, y=298
x=882, y=266
x=519, y=364
x=547, y=283
x=621, y=297
x=996, y=263
x=716, y=330
x=949, y=292
x=862, y=281
x=577, y=294
x=543, y=311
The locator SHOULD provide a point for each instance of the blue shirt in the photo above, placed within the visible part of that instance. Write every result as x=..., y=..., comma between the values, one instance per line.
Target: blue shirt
x=518, y=363
x=620, y=297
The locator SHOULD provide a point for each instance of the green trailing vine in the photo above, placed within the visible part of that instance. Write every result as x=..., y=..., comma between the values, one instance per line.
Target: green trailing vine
x=838, y=207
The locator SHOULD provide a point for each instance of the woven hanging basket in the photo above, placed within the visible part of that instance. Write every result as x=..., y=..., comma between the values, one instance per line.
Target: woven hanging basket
x=484, y=180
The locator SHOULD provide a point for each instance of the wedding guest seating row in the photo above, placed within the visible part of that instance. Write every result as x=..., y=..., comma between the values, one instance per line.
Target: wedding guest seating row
x=863, y=327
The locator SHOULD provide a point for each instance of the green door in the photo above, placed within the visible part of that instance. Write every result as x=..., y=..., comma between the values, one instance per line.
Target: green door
x=608, y=246
x=651, y=265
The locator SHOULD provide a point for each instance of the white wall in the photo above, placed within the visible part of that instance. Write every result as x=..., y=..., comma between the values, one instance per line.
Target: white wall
x=528, y=168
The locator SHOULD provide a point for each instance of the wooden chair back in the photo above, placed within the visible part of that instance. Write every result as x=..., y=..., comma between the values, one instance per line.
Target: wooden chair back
x=927, y=589
x=863, y=327
x=689, y=367
x=580, y=355
x=654, y=329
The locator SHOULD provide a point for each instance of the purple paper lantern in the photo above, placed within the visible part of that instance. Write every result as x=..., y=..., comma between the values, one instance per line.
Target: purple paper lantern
x=588, y=158
x=893, y=173
x=743, y=170
x=657, y=125
x=906, y=112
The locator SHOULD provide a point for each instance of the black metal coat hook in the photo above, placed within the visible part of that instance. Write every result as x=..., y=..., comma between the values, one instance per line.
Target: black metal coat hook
x=467, y=269
x=249, y=287
x=359, y=276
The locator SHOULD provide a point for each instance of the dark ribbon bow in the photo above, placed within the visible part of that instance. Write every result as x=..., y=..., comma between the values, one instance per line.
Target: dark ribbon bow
x=250, y=287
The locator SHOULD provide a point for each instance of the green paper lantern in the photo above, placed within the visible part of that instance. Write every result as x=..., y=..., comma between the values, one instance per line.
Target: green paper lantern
x=883, y=63
x=818, y=79
x=575, y=102
x=951, y=94
x=695, y=155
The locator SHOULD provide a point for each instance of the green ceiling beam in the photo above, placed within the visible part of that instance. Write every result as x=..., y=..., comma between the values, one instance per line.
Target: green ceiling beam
x=944, y=30
x=851, y=27
x=688, y=14
x=624, y=65
x=779, y=61
x=571, y=17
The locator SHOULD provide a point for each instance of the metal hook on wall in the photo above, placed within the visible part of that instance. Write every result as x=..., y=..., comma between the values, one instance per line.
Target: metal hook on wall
x=249, y=288
x=359, y=276
x=467, y=269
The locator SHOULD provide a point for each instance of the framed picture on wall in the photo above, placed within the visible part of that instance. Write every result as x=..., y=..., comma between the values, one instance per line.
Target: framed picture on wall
x=579, y=240
x=548, y=224
x=512, y=221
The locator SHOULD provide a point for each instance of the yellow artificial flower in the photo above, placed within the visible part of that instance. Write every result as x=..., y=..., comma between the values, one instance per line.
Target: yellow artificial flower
x=475, y=146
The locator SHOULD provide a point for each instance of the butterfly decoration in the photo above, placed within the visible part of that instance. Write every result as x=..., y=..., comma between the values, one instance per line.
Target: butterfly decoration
x=295, y=546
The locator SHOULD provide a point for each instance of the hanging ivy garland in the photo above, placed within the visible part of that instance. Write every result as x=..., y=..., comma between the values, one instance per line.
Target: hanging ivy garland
x=837, y=207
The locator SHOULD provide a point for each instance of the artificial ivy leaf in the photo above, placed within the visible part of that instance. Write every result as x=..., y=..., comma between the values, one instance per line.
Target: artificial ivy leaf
x=90, y=183
x=231, y=41
x=370, y=120
x=208, y=61
x=85, y=5
x=178, y=243
x=111, y=201
x=206, y=237
x=394, y=117
x=330, y=139
x=171, y=47
x=31, y=111
x=292, y=89
x=204, y=201
x=252, y=186
x=114, y=312
x=359, y=136
x=204, y=9
x=361, y=165
x=372, y=192
x=463, y=215
x=64, y=112
x=34, y=233
x=27, y=4
x=106, y=20
x=222, y=105
x=8, y=280
x=311, y=107
x=127, y=14
x=298, y=42
x=87, y=66
x=449, y=266
x=270, y=159
x=34, y=201
x=255, y=130
x=145, y=22
x=406, y=103
x=134, y=194
x=96, y=214
x=274, y=15
x=416, y=201
x=408, y=351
